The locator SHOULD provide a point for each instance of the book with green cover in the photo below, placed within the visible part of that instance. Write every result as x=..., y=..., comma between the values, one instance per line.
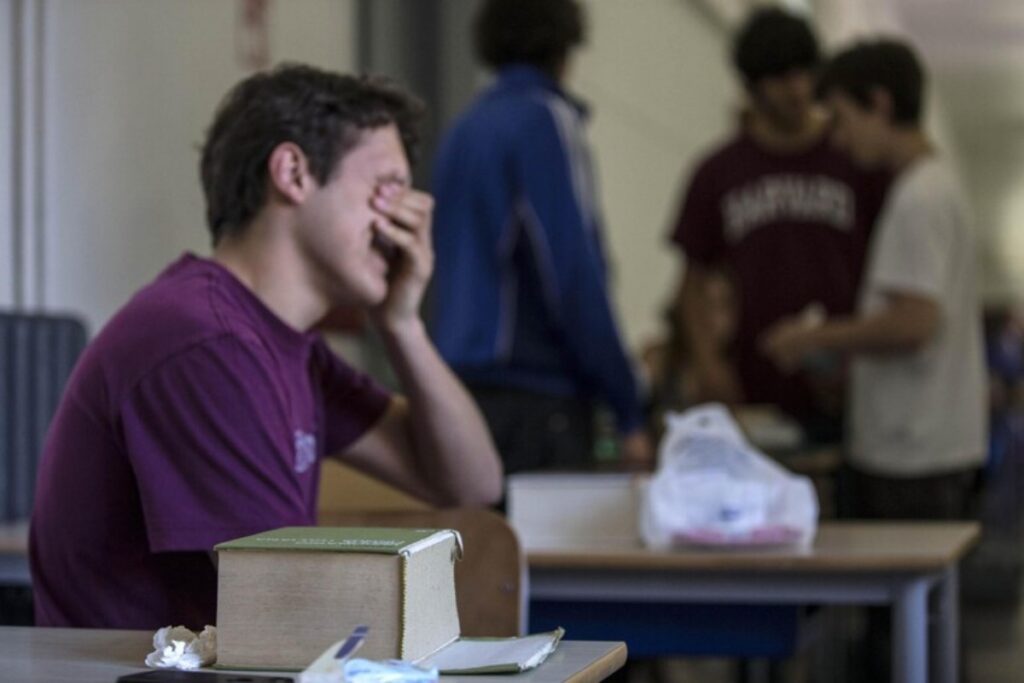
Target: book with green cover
x=334, y=539
x=286, y=594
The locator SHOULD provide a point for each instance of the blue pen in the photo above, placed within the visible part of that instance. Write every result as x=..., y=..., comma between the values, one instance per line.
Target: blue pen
x=352, y=643
x=329, y=666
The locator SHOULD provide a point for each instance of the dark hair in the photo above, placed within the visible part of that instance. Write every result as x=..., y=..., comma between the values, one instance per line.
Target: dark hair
x=537, y=32
x=882, y=64
x=321, y=112
x=773, y=42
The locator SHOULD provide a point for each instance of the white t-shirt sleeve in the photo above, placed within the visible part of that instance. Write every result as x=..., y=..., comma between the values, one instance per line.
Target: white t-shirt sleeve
x=915, y=240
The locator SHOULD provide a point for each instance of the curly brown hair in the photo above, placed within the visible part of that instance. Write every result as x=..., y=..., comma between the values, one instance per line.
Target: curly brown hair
x=322, y=112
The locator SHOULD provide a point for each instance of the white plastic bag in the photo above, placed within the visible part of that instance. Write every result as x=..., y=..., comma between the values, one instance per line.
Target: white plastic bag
x=713, y=488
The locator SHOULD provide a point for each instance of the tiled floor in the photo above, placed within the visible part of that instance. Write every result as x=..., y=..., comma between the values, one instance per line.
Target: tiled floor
x=994, y=640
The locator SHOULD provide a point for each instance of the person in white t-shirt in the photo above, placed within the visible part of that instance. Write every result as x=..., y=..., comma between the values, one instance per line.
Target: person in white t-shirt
x=917, y=423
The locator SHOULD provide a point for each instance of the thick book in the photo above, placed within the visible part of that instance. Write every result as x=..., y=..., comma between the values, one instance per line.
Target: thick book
x=285, y=595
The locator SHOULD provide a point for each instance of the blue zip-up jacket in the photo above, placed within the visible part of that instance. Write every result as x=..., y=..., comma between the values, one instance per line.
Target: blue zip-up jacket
x=520, y=294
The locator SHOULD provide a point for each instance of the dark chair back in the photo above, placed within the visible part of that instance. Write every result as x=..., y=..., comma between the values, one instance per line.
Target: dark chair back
x=37, y=354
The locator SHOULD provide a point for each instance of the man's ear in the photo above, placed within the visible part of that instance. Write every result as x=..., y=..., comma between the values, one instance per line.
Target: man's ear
x=288, y=170
x=881, y=102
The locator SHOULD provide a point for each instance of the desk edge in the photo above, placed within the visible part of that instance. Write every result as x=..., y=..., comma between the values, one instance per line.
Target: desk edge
x=600, y=669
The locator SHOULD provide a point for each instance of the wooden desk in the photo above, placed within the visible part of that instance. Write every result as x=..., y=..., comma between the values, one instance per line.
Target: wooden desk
x=61, y=655
x=896, y=564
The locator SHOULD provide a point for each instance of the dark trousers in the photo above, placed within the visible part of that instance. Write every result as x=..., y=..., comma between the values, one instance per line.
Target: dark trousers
x=950, y=496
x=537, y=432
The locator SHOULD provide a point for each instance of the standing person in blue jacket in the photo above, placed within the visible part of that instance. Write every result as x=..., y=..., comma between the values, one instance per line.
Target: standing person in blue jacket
x=521, y=303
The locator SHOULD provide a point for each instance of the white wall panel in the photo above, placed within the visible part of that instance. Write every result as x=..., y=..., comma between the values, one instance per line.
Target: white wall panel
x=130, y=88
x=6, y=156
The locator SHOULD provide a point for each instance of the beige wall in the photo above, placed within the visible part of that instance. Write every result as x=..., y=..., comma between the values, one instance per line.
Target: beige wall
x=656, y=75
x=129, y=87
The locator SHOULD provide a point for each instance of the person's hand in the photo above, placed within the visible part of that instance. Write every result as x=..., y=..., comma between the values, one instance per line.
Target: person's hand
x=787, y=343
x=717, y=381
x=636, y=451
x=405, y=224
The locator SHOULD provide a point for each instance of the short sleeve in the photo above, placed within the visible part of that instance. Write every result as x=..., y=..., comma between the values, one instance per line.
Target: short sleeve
x=914, y=243
x=209, y=440
x=698, y=227
x=353, y=401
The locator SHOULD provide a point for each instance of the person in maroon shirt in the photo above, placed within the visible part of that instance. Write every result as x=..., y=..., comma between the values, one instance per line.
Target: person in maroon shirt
x=784, y=214
x=201, y=412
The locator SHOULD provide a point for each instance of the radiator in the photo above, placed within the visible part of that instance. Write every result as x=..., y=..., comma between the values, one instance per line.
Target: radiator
x=37, y=353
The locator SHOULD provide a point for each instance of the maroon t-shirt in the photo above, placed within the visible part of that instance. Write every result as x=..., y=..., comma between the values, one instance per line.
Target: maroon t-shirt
x=195, y=416
x=791, y=229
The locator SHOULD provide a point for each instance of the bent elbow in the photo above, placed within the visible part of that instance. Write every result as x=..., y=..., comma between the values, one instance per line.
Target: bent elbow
x=921, y=332
x=913, y=338
x=489, y=490
x=486, y=489
x=914, y=321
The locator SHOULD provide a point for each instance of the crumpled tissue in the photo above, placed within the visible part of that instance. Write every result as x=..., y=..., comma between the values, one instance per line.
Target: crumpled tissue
x=177, y=647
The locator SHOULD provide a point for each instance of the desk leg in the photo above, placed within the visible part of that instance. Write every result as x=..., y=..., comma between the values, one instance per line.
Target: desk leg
x=945, y=648
x=910, y=633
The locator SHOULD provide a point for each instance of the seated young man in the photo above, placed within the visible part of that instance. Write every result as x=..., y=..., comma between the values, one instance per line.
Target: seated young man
x=202, y=410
